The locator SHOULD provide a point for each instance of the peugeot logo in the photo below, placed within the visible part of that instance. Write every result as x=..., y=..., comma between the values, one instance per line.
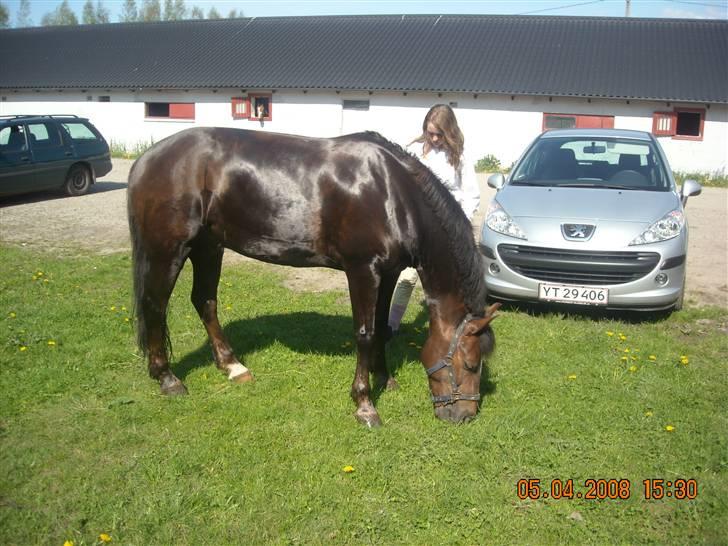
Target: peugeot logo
x=577, y=232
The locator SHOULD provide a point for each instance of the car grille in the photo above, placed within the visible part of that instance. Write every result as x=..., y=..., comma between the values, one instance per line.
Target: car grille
x=577, y=266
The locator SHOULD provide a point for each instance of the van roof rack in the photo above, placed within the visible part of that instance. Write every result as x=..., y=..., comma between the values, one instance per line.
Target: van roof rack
x=20, y=116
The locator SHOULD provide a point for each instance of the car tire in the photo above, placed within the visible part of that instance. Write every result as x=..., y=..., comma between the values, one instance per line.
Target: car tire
x=78, y=180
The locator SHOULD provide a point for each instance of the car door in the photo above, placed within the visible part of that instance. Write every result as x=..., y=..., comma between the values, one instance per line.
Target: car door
x=16, y=166
x=51, y=155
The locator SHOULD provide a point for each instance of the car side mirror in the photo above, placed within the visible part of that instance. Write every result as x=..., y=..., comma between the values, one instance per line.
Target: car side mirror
x=689, y=189
x=496, y=181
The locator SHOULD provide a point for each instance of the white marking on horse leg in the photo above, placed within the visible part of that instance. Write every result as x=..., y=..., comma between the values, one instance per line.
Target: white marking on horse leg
x=236, y=370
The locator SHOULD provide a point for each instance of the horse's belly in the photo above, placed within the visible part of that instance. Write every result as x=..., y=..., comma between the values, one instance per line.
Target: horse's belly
x=293, y=253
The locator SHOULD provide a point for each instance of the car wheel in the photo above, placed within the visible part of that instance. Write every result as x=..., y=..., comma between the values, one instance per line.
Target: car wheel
x=679, y=303
x=78, y=180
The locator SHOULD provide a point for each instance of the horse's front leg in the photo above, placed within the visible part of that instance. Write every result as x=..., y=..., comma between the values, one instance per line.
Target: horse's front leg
x=363, y=288
x=383, y=332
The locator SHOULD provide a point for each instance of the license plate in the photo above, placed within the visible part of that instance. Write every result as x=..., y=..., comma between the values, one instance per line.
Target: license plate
x=569, y=293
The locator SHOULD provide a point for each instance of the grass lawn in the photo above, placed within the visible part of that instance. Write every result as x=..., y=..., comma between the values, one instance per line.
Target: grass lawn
x=88, y=446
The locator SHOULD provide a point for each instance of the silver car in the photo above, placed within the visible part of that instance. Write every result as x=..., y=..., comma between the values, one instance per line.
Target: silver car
x=589, y=217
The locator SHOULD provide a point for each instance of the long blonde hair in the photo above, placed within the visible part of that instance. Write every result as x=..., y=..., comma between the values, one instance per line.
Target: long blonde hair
x=443, y=117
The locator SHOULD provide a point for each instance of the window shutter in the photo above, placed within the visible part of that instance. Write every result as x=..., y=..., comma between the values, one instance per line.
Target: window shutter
x=240, y=107
x=182, y=110
x=664, y=123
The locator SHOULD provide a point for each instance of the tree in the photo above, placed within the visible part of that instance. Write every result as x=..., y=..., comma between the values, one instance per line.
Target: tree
x=151, y=11
x=89, y=13
x=174, y=10
x=234, y=14
x=129, y=12
x=196, y=13
x=4, y=16
x=22, y=19
x=213, y=13
x=102, y=13
x=62, y=15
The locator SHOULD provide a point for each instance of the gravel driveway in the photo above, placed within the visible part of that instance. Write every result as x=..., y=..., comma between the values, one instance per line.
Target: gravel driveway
x=97, y=223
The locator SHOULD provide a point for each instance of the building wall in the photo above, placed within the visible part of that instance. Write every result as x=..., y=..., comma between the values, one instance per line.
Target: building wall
x=500, y=125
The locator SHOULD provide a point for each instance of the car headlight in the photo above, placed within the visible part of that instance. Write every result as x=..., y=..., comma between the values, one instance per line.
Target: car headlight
x=667, y=227
x=498, y=220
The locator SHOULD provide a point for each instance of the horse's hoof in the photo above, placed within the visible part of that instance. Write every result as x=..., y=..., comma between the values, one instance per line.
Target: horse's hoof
x=245, y=377
x=171, y=386
x=368, y=418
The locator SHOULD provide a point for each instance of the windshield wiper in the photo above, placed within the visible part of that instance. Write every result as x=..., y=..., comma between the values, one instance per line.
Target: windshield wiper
x=604, y=186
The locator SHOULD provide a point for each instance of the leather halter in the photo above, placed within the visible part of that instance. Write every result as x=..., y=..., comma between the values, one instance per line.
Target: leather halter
x=446, y=362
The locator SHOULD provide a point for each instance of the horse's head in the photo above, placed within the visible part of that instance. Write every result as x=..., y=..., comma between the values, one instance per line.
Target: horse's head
x=454, y=376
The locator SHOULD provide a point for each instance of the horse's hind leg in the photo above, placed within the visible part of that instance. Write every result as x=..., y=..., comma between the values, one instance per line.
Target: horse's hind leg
x=158, y=282
x=206, y=257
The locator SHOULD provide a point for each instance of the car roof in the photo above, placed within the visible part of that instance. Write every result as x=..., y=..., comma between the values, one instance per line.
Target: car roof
x=597, y=133
x=35, y=117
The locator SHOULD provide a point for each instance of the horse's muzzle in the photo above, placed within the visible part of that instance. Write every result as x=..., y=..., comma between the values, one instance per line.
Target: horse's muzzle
x=459, y=412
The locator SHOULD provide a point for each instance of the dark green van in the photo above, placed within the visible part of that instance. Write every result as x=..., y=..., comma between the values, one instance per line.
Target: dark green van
x=50, y=152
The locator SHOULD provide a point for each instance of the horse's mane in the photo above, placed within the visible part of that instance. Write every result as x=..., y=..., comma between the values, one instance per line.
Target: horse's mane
x=452, y=220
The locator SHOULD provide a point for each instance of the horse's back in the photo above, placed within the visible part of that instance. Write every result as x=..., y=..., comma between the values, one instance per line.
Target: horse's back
x=279, y=198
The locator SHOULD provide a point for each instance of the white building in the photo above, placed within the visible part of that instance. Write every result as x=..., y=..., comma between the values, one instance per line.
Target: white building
x=508, y=77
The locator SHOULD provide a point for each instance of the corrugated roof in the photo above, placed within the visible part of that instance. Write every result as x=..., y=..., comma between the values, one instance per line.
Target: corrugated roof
x=666, y=59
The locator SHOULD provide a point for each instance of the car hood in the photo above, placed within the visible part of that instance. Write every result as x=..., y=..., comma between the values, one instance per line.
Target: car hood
x=587, y=204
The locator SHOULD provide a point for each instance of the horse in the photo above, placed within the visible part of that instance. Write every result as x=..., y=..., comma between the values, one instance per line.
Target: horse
x=357, y=203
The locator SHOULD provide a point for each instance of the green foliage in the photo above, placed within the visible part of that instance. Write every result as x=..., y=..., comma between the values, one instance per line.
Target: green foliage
x=62, y=15
x=716, y=179
x=88, y=446
x=4, y=16
x=120, y=149
x=488, y=164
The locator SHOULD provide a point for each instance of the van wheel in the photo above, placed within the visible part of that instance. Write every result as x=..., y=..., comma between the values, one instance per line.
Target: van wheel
x=78, y=180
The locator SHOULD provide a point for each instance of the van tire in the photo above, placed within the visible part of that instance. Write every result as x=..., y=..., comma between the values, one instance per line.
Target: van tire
x=78, y=180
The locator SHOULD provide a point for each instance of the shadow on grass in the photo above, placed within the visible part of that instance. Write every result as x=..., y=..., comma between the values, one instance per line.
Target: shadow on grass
x=565, y=311
x=307, y=332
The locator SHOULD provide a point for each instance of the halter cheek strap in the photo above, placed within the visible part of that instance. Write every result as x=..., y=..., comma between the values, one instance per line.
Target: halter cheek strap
x=446, y=362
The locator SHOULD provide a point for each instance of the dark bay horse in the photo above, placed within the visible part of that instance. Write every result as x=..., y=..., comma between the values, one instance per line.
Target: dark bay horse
x=357, y=203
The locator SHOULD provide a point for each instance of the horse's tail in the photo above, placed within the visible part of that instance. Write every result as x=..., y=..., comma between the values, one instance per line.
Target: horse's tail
x=141, y=265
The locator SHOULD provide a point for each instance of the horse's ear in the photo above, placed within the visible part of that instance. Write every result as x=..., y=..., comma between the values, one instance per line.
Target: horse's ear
x=477, y=326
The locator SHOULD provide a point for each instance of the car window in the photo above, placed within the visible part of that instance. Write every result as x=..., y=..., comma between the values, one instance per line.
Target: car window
x=44, y=135
x=12, y=138
x=79, y=131
x=591, y=162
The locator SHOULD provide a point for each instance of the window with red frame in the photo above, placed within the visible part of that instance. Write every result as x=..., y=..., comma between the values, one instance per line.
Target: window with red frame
x=576, y=121
x=171, y=110
x=240, y=107
x=681, y=123
x=261, y=106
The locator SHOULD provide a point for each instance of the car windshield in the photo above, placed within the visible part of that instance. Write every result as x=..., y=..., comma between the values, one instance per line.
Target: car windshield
x=592, y=163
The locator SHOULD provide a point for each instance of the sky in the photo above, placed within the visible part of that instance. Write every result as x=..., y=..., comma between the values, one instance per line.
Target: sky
x=701, y=9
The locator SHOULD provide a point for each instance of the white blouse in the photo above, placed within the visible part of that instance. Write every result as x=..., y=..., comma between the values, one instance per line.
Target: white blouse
x=463, y=185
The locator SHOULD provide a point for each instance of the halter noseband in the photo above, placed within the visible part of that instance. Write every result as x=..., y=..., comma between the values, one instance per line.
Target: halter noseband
x=446, y=362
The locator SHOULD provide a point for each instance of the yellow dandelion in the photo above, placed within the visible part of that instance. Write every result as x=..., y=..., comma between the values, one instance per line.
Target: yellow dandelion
x=123, y=308
x=626, y=349
x=633, y=357
x=103, y=537
x=572, y=377
x=648, y=413
x=12, y=314
x=45, y=280
x=684, y=360
x=652, y=357
x=624, y=359
x=610, y=334
x=348, y=469
x=126, y=319
x=670, y=428
x=112, y=308
x=23, y=348
x=633, y=369
x=228, y=307
x=51, y=343
x=34, y=278
x=39, y=273
x=622, y=337
x=68, y=543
